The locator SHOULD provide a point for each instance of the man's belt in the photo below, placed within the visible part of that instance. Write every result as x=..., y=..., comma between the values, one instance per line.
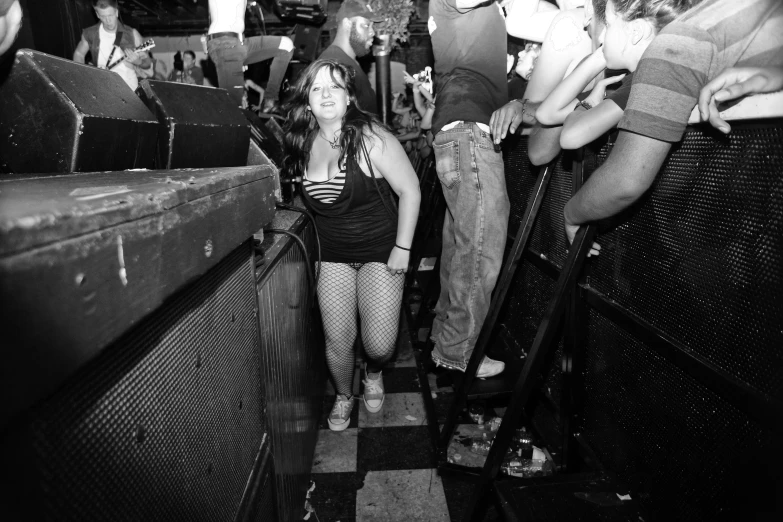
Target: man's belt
x=219, y=35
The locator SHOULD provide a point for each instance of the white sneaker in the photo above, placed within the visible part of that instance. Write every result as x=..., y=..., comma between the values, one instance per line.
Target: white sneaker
x=373, y=392
x=340, y=417
x=488, y=367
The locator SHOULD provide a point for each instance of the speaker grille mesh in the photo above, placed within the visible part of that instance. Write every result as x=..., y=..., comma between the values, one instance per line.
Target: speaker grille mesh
x=682, y=449
x=548, y=236
x=702, y=258
x=166, y=423
x=520, y=180
x=294, y=370
x=532, y=289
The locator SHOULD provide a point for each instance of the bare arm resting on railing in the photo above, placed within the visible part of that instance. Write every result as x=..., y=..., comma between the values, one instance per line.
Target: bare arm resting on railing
x=626, y=174
x=666, y=87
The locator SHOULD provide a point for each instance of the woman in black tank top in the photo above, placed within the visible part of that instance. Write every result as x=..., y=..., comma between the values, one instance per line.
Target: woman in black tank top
x=352, y=167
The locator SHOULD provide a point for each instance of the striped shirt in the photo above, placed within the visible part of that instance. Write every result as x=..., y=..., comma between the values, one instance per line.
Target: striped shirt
x=325, y=191
x=690, y=52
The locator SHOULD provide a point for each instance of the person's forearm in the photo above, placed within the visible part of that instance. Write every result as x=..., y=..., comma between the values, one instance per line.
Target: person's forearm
x=561, y=101
x=426, y=120
x=582, y=127
x=410, y=135
x=543, y=144
x=604, y=194
x=408, y=215
x=145, y=62
x=623, y=178
x=78, y=57
x=531, y=108
x=529, y=19
x=418, y=101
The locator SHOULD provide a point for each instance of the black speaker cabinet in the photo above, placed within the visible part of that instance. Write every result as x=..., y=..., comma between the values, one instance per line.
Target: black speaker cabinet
x=200, y=126
x=264, y=133
x=84, y=258
x=61, y=117
x=166, y=424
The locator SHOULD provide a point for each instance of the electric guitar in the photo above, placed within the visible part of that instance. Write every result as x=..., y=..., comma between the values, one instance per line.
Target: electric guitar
x=146, y=46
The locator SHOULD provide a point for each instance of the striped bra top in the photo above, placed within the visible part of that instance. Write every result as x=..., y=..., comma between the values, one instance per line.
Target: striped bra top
x=325, y=191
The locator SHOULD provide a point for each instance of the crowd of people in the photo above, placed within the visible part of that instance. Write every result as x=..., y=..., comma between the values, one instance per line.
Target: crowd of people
x=667, y=55
x=635, y=68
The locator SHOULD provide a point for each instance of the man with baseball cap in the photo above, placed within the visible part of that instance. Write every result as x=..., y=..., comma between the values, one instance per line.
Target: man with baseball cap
x=354, y=40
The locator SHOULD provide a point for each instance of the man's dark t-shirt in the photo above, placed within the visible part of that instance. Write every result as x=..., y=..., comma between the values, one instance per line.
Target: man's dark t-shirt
x=364, y=91
x=470, y=62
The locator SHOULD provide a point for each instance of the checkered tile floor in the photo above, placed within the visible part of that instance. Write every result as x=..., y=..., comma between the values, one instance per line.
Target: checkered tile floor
x=382, y=467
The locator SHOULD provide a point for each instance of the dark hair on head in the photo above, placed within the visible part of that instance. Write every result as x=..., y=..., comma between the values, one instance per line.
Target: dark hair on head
x=191, y=53
x=103, y=4
x=659, y=12
x=301, y=126
x=599, y=11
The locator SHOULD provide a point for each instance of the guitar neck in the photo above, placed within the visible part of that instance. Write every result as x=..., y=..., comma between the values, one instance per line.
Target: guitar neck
x=146, y=46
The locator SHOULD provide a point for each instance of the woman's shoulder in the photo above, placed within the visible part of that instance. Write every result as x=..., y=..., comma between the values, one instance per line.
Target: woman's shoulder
x=567, y=30
x=376, y=134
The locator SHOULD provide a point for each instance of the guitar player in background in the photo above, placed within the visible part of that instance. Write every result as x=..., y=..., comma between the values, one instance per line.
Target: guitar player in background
x=110, y=41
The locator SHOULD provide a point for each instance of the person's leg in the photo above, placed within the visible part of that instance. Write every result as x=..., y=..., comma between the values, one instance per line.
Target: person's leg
x=379, y=300
x=447, y=254
x=228, y=54
x=337, y=301
x=280, y=49
x=471, y=173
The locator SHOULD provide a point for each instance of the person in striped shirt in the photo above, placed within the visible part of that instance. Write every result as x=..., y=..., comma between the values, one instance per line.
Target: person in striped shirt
x=682, y=59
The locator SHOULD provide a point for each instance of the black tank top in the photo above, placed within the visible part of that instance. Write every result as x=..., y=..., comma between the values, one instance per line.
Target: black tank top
x=357, y=227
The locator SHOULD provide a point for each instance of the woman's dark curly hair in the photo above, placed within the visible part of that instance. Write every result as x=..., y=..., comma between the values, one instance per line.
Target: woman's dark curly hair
x=301, y=127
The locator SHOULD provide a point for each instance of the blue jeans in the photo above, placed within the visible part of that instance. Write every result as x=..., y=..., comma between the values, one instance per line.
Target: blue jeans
x=230, y=55
x=474, y=237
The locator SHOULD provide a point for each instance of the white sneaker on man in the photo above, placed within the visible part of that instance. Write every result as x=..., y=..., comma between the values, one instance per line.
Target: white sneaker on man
x=488, y=367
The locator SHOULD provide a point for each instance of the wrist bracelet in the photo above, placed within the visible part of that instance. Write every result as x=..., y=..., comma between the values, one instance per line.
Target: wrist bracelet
x=402, y=248
x=586, y=104
x=522, y=101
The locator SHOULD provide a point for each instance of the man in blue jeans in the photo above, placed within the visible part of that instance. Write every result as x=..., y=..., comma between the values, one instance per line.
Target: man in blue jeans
x=469, y=45
x=231, y=52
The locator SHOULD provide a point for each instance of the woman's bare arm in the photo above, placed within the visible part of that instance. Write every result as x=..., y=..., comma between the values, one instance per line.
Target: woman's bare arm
x=566, y=41
x=390, y=161
x=582, y=126
x=562, y=100
x=529, y=19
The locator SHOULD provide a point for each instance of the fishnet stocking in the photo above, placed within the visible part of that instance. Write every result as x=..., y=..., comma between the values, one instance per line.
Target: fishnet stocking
x=369, y=287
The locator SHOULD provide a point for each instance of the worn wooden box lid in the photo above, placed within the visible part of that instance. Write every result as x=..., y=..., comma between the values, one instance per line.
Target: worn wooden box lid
x=85, y=257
